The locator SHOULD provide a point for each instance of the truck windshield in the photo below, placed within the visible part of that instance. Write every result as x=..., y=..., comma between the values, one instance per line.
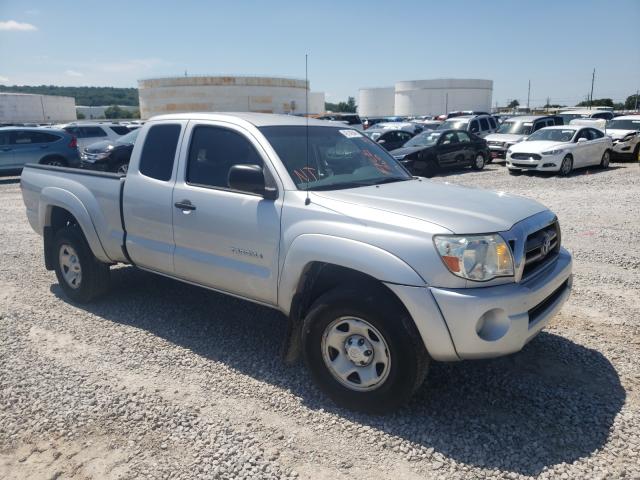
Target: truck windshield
x=338, y=158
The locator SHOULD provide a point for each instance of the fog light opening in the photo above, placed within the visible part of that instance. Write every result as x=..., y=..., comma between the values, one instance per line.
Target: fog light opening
x=493, y=325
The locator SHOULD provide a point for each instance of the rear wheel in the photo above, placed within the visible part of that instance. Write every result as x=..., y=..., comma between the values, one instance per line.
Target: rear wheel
x=361, y=350
x=606, y=158
x=566, y=166
x=636, y=154
x=478, y=162
x=80, y=274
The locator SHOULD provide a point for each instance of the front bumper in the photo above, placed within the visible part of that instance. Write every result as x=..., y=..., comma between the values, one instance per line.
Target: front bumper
x=497, y=153
x=623, y=149
x=548, y=163
x=487, y=322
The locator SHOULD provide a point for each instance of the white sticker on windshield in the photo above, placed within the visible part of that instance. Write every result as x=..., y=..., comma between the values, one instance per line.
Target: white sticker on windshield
x=350, y=133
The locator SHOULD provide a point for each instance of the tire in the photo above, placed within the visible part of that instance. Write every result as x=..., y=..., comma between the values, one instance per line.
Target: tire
x=54, y=162
x=369, y=315
x=479, y=162
x=566, y=167
x=636, y=154
x=606, y=158
x=72, y=254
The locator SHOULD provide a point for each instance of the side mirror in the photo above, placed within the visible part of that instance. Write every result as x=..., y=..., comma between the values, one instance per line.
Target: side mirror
x=525, y=138
x=382, y=141
x=250, y=178
x=582, y=139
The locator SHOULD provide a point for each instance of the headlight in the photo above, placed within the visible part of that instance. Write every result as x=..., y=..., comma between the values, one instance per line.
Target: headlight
x=557, y=151
x=475, y=257
x=509, y=151
x=628, y=137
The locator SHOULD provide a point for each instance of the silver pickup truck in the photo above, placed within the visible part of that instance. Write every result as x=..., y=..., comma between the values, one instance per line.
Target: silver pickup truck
x=378, y=272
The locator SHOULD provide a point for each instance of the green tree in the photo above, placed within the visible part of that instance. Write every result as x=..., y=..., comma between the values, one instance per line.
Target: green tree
x=513, y=104
x=80, y=116
x=597, y=102
x=343, y=107
x=117, y=112
x=631, y=102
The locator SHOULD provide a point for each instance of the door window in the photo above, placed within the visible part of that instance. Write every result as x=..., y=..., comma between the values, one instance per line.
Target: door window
x=473, y=127
x=449, y=138
x=404, y=137
x=484, y=125
x=159, y=151
x=23, y=137
x=584, y=133
x=492, y=121
x=463, y=137
x=595, y=133
x=4, y=138
x=213, y=151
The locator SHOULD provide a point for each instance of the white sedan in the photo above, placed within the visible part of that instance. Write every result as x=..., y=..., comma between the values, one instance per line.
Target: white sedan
x=560, y=149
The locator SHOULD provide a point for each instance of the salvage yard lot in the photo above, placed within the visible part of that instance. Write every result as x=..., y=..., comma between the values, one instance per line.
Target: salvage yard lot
x=164, y=380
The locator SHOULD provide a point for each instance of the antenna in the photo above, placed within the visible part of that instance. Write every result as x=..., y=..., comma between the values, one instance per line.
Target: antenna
x=307, y=200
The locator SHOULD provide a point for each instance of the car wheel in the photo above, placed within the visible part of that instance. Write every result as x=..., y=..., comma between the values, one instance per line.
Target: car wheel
x=54, y=162
x=606, y=158
x=636, y=154
x=566, y=166
x=80, y=274
x=478, y=162
x=363, y=350
x=122, y=169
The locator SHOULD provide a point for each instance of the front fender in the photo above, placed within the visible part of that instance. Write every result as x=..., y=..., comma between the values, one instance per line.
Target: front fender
x=359, y=256
x=57, y=197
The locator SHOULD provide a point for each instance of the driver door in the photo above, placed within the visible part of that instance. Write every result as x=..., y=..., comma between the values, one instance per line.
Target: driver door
x=448, y=149
x=224, y=239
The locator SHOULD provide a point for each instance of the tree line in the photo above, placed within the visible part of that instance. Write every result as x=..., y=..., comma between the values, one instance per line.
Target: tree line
x=89, y=96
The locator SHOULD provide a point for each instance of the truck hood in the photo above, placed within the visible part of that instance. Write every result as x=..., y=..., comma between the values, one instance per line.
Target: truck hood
x=537, y=146
x=459, y=209
x=504, y=137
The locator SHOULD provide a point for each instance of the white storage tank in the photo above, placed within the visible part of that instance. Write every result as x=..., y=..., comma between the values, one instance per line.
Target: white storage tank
x=432, y=97
x=316, y=103
x=33, y=108
x=221, y=94
x=376, y=102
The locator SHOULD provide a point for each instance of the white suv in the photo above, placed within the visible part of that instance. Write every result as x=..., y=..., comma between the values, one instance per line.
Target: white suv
x=88, y=133
x=479, y=125
x=625, y=132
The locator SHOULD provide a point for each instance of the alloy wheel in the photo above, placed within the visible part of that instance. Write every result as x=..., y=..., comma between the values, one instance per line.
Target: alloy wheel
x=70, y=266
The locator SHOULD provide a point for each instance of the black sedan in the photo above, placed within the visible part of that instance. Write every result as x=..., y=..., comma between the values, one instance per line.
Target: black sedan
x=110, y=155
x=430, y=151
x=390, y=139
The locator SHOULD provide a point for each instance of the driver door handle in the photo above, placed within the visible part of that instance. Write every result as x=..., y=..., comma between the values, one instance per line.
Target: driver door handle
x=185, y=205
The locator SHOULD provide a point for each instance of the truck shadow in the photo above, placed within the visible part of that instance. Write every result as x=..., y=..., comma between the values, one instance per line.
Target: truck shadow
x=553, y=402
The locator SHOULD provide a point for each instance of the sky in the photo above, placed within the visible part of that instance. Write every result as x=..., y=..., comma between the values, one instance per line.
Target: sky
x=555, y=44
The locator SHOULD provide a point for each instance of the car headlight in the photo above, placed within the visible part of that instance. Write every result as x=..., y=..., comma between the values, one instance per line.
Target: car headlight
x=475, y=257
x=628, y=137
x=556, y=151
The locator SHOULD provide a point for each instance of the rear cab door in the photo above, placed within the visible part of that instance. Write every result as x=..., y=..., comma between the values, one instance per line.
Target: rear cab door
x=147, y=205
x=225, y=239
x=6, y=151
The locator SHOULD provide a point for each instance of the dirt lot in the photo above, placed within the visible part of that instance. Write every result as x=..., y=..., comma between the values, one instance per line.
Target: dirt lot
x=165, y=380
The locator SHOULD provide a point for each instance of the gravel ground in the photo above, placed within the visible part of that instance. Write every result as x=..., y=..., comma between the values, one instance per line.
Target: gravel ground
x=165, y=380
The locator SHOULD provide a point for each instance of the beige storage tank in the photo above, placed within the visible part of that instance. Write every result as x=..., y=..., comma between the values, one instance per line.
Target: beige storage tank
x=432, y=97
x=221, y=94
x=33, y=108
x=376, y=102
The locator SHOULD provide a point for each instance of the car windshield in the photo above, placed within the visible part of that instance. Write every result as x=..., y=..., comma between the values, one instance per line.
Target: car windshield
x=337, y=158
x=453, y=125
x=624, y=124
x=552, y=135
x=515, y=128
x=425, y=139
x=129, y=138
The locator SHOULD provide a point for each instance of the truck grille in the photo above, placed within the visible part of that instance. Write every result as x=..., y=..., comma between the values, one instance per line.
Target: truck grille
x=526, y=156
x=541, y=247
x=495, y=143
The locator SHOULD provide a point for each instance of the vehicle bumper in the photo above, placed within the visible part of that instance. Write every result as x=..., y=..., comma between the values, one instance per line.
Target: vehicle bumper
x=548, y=163
x=497, y=153
x=494, y=321
x=623, y=149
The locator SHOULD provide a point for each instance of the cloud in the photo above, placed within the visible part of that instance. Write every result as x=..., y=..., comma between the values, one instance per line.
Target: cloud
x=73, y=73
x=4, y=79
x=12, y=25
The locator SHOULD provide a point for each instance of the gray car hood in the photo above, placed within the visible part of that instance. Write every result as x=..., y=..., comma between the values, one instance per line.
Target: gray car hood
x=504, y=137
x=459, y=209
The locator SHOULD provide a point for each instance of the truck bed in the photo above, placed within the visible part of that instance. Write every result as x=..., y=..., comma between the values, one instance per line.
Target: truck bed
x=94, y=199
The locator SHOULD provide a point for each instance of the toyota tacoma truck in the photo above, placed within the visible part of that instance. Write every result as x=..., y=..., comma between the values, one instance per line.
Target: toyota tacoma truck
x=377, y=272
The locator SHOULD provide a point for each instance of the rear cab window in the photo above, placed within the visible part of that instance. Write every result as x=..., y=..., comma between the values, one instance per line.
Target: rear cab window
x=159, y=151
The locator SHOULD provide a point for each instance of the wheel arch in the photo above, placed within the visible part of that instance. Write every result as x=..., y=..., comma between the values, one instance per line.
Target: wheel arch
x=53, y=156
x=59, y=208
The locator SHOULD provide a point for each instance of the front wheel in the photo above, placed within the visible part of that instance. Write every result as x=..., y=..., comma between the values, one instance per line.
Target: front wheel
x=80, y=274
x=606, y=158
x=566, y=166
x=478, y=162
x=362, y=351
x=54, y=162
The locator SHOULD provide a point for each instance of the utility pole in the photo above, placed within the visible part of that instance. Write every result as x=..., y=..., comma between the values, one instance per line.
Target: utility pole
x=548, y=104
x=593, y=78
x=446, y=103
x=528, y=96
